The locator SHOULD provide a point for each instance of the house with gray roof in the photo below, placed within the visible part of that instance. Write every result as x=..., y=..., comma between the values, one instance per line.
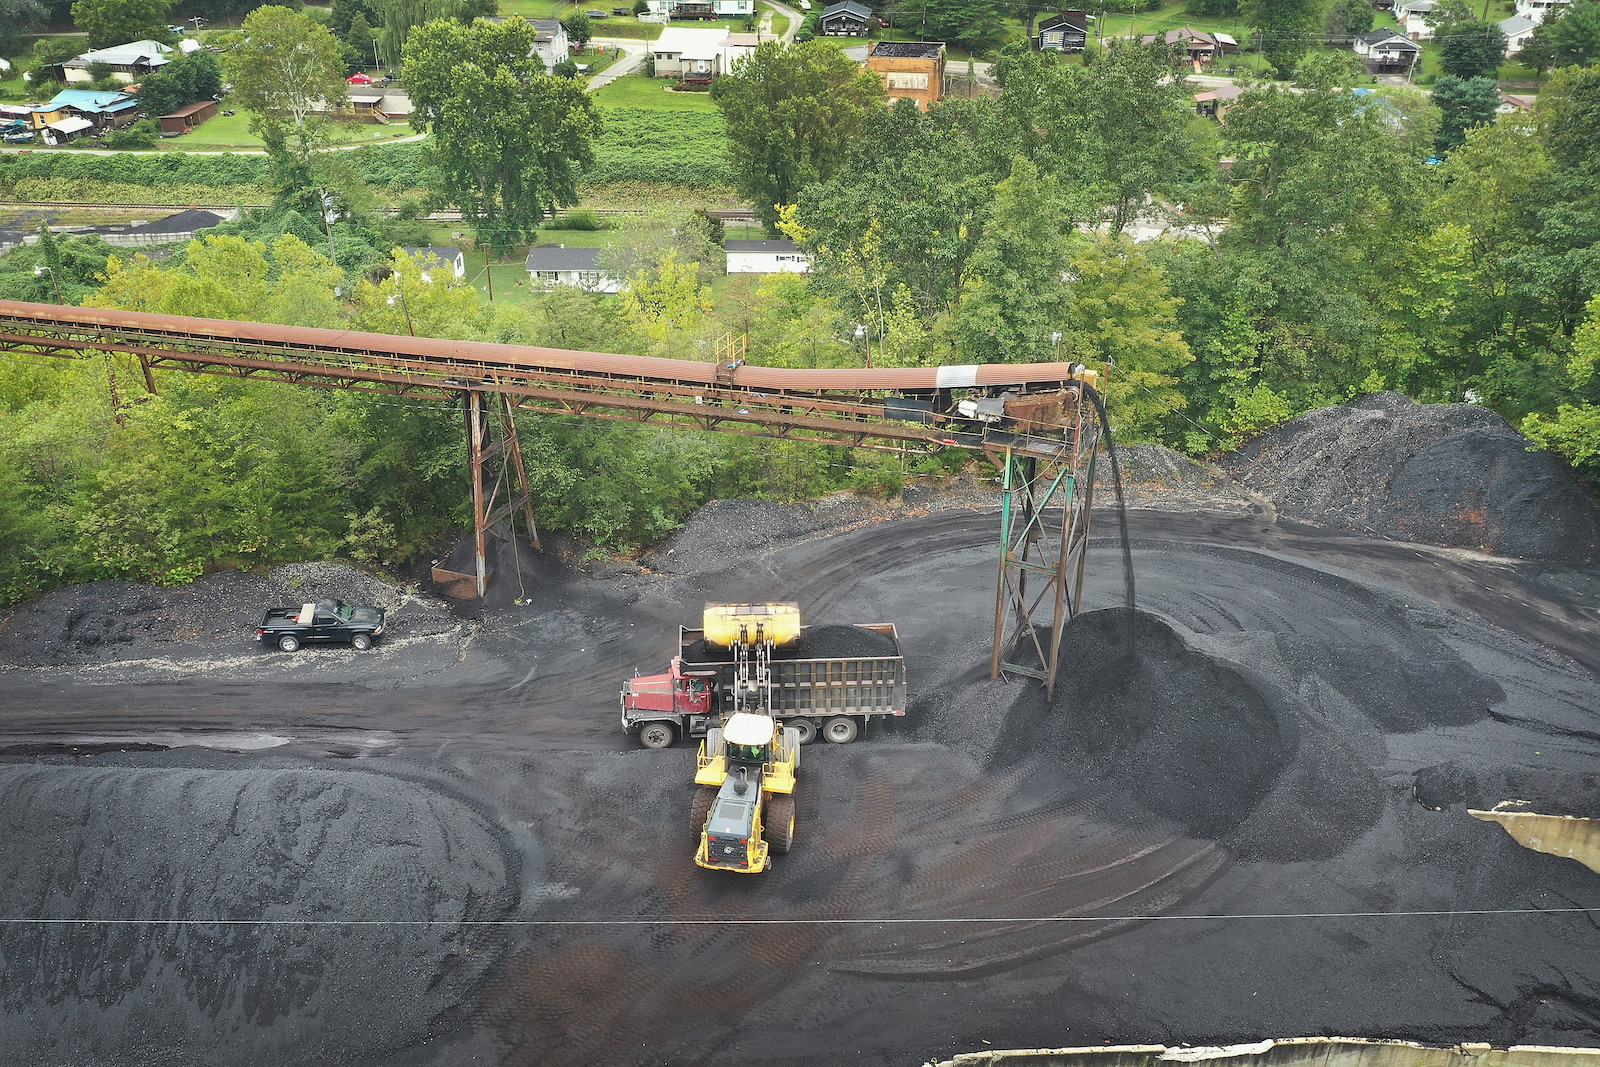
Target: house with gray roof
x=552, y=265
x=128, y=62
x=1386, y=51
x=453, y=258
x=845, y=19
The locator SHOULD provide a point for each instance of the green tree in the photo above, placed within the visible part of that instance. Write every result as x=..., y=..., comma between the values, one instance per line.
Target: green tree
x=1137, y=140
x=287, y=72
x=1472, y=49
x=400, y=17
x=1568, y=36
x=189, y=77
x=1346, y=18
x=976, y=25
x=16, y=18
x=579, y=29
x=665, y=304
x=1287, y=28
x=342, y=14
x=1124, y=319
x=1013, y=294
x=1463, y=103
x=360, y=38
x=792, y=111
x=508, y=141
x=113, y=22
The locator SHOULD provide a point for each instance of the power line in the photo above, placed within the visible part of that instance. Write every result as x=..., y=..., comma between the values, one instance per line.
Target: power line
x=1443, y=913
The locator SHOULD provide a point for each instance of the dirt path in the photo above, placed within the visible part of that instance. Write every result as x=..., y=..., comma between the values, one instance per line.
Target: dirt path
x=1221, y=840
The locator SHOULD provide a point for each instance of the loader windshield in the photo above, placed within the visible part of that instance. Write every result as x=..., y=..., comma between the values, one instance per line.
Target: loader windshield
x=747, y=753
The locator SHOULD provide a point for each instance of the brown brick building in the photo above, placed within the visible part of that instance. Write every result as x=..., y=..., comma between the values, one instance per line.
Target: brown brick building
x=911, y=69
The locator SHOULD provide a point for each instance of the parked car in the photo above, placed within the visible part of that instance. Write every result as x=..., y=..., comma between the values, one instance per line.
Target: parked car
x=19, y=138
x=359, y=78
x=321, y=621
x=805, y=5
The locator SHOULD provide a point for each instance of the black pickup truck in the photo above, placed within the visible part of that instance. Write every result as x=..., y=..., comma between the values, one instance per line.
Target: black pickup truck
x=322, y=620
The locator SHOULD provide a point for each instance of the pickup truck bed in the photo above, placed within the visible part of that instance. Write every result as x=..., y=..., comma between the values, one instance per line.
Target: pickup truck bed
x=321, y=621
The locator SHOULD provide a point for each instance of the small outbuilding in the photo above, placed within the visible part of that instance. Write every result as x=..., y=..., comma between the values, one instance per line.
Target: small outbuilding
x=765, y=257
x=845, y=19
x=187, y=118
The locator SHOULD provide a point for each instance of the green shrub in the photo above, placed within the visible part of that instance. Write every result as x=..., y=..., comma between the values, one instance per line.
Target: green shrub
x=141, y=134
x=579, y=219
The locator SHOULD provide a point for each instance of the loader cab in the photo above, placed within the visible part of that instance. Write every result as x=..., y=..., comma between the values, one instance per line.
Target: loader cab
x=747, y=739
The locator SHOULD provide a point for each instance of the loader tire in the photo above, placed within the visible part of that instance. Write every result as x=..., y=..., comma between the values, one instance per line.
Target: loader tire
x=779, y=828
x=704, y=797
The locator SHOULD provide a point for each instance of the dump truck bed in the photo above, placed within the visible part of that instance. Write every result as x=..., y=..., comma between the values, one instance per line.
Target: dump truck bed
x=820, y=686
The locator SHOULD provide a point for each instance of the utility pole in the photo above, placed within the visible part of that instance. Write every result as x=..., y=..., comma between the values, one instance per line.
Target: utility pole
x=328, y=215
x=488, y=273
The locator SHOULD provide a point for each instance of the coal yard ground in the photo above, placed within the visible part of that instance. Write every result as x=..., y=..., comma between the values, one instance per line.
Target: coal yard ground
x=446, y=851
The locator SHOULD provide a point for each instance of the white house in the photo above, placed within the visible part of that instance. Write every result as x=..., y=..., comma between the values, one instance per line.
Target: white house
x=670, y=9
x=551, y=265
x=1518, y=28
x=765, y=257
x=1538, y=9
x=692, y=55
x=1411, y=16
x=736, y=46
x=128, y=62
x=550, y=42
x=1386, y=51
x=453, y=258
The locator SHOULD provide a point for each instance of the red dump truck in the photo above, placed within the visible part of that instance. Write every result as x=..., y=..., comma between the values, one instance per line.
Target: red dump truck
x=830, y=681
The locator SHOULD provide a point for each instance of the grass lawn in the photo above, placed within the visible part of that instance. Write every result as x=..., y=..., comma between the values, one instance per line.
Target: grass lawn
x=635, y=90
x=780, y=23
x=596, y=61
x=231, y=131
x=533, y=9
x=629, y=27
x=1170, y=18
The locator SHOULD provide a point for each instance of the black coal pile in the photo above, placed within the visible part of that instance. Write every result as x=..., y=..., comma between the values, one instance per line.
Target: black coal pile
x=1217, y=747
x=816, y=642
x=725, y=533
x=1446, y=474
x=120, y=848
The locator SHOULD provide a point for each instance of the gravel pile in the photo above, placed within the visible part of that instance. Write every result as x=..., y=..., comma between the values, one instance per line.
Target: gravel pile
x=108, y=621
x=1446, y=474
x=726, y=533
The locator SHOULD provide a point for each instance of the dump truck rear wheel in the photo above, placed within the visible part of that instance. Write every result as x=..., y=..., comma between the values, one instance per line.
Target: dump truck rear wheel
x=841, y=730
x=704, y=797
x=779, y=830
x=805, y=727
x=656, y=735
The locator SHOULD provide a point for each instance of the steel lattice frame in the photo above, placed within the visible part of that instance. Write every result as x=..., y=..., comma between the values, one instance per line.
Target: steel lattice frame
x=1038, y=486
x=1045, y=468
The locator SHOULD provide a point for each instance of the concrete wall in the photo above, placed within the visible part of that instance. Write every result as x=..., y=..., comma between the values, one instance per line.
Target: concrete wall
x=1290, y=1052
